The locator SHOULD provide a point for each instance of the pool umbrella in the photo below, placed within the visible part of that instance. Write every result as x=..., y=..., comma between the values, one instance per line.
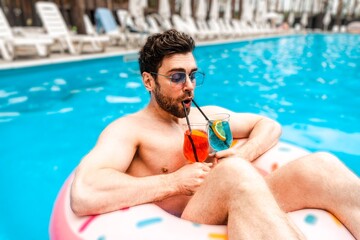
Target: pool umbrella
x=351, y=7
x=227, y=11
x=271, y=6
x=133, y=7
x=201, y=10
x=185, y=11
x=308, y=6
x=334, y=7
x=280, y=6
x=326, y=20
x=214, y=11
x=144, y=4
x=164, y=9
x=261, y=10
x=247, y=11
x=297, y=6
x=291, y=18
x=357, y=9
x=304, y=20
x=287, y=6
x=316, y=7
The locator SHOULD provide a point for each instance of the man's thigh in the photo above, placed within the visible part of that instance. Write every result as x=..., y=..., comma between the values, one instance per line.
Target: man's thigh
x=290, y=187
x=207, y=206
x=224, y=185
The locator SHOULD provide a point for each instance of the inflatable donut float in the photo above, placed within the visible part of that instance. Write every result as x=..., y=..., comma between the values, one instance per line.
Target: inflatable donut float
x=149, y=222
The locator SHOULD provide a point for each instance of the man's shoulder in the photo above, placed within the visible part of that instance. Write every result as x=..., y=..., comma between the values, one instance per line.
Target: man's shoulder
x=125, y=127
x=126, y=121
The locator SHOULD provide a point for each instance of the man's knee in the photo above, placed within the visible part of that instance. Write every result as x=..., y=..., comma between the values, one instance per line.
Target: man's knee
x=320, y=162
x=236, y=167
x=315, y=169
x=236, y=173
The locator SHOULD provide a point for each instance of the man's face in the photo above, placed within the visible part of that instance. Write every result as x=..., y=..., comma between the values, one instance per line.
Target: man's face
x=170, y=95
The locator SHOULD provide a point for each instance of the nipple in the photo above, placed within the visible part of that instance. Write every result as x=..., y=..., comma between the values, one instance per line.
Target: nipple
x=164, y=170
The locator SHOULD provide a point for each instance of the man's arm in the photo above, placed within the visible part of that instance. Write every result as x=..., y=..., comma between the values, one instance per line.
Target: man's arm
x=259, y=133
x=101, y=185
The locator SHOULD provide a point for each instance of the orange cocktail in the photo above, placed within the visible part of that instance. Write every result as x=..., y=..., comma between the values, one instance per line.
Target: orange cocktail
x=196, y=145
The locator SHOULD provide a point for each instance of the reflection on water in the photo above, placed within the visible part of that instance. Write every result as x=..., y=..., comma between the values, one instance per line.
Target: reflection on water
x=308, y=80
x=329, y=139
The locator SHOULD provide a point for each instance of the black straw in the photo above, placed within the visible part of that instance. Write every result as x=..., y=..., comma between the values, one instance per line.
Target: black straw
x=207, y=119
x=189, y=136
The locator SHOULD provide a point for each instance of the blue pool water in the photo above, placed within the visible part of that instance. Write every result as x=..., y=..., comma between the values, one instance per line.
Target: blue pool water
x=50, y=116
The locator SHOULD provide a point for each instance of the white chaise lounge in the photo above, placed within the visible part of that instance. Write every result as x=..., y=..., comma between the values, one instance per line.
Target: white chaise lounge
x=9, y=43
x=55, y=26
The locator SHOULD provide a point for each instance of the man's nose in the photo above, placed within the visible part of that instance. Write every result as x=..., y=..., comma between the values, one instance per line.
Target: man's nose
x=188, y=84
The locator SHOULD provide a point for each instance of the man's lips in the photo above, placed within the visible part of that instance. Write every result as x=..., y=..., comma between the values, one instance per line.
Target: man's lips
x=187, y=102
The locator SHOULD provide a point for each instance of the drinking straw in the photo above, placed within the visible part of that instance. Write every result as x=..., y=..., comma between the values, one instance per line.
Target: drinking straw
x=187, y=118
x=189, y=135
x=207, y=119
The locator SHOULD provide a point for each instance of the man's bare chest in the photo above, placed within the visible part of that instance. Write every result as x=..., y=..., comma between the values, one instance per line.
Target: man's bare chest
x=162, y=151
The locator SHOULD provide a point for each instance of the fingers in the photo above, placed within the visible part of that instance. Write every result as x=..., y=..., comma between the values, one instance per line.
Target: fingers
x=205, y=166
x=192, y=176
x=225, y=153
x=200, y=171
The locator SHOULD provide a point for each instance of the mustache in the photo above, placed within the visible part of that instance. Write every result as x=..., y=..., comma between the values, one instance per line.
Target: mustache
x=186, y=95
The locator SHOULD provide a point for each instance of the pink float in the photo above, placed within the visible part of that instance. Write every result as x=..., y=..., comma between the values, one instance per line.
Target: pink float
x=150, y=222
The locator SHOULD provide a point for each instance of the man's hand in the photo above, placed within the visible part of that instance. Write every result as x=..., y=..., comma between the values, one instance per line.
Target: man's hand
x=190, y=177
x=230, y=152
x=234, y=151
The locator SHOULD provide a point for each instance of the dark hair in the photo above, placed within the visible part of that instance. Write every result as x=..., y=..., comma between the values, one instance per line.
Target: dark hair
x=163, y=44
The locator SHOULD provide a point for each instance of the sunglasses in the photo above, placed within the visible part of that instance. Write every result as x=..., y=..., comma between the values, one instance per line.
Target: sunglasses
x=179, y=78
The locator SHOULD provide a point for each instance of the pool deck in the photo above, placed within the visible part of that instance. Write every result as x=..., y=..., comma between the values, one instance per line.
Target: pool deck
x=29, y=60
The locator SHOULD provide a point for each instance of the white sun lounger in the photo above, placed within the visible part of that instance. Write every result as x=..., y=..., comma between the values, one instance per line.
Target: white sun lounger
x=56, y=28
x=4, y=51
x=126, y=20
x=9, y=42
x=164, y=23
x=90, y=30
x=188, y=26
x=153, y=24
x=164, y=14
x=132, y=33
x=105, y=23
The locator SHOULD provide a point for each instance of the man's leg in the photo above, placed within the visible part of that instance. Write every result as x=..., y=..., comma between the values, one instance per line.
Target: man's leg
x=236, y=194
x=319, y=180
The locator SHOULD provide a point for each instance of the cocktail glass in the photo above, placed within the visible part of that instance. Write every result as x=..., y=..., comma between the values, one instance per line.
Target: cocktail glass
x=220, y=136
x=196, y=144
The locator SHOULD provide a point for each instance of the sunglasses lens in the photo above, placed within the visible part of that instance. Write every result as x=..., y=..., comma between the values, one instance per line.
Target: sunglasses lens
x=178, y=77
x=197, y=77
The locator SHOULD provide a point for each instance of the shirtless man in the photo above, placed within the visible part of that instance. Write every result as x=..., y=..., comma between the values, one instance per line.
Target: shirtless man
x=138, y=159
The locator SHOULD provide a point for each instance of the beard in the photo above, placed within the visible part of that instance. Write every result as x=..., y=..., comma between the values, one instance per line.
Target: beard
x=171, y=105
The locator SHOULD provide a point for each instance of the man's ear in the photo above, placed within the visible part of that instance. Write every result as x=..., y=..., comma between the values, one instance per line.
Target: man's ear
x=148, y=80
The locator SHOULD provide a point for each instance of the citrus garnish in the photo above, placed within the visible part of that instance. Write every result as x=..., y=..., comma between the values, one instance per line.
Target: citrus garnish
x=199, y=133
x=218, y=129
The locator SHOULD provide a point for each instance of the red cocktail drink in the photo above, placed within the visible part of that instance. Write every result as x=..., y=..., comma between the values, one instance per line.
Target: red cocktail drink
x=196, y=143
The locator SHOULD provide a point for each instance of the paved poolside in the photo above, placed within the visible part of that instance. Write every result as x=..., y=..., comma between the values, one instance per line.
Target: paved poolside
x=56, y=56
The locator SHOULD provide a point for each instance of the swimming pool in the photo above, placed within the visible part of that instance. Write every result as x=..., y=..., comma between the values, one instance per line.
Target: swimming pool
x=50, y=116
